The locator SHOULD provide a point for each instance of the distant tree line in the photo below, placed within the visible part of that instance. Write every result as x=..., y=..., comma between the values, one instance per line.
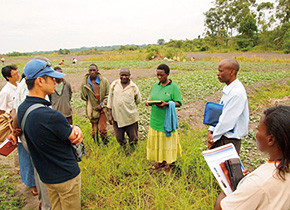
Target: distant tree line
x=18, y=54
x=245, y=24
x=63, y=51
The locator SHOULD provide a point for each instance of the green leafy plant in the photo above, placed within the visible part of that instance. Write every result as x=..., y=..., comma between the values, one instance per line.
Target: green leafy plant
x=9, y=198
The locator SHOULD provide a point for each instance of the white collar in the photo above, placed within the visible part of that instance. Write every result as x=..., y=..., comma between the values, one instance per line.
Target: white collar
x=227, y=89
x=13, y=87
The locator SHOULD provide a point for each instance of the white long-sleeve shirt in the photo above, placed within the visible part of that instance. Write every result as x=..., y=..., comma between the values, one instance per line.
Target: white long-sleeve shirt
x=234, y=120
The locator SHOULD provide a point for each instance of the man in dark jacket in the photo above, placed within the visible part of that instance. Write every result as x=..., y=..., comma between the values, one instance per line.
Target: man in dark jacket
x=49, y=137
x=95, y=91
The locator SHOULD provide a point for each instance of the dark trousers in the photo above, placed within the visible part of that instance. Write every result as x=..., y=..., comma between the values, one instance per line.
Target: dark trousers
x=131, y=130
x=224, y=140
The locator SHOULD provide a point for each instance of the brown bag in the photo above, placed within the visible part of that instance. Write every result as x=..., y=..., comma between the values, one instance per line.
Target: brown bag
x=5, y=126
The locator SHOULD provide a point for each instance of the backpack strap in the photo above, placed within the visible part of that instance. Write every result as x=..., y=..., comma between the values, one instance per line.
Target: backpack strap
x=30, y=109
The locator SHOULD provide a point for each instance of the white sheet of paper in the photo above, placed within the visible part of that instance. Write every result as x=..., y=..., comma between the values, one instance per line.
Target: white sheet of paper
x=214, y=157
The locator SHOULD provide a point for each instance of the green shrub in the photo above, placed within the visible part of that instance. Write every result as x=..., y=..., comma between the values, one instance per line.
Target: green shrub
x=286, y=47
x=245, y=49
x=152, y=52
x=170, y=52
x=204, y=48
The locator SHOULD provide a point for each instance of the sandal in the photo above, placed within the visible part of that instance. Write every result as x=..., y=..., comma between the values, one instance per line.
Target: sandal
x=159, y=165
x=34, y=191
x=167, y=171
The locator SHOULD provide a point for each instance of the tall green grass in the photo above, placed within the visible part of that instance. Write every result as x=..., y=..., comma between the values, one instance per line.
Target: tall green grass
x=115, y=179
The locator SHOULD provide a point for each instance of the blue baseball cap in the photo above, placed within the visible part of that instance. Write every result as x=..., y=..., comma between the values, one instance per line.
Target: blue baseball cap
x=38, y=68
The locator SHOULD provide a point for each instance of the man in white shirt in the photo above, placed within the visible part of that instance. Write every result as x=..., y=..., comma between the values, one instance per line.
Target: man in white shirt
x=8, y=92
x=124, y=96
x=7, y=98
x=234, y=120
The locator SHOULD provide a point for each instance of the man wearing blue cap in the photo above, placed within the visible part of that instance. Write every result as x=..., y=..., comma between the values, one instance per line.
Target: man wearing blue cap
x=49, y=137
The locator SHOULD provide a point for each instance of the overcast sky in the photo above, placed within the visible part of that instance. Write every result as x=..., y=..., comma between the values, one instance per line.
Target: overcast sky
x=31, y=25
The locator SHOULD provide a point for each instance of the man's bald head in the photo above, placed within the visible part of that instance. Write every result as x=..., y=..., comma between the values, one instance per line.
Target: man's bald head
x=232, y=64
x=227, y=71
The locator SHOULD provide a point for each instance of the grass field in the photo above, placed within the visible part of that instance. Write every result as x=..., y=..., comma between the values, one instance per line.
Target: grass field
x=115, y=179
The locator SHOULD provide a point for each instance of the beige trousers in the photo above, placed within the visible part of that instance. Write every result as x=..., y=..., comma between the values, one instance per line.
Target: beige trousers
x=65, y=195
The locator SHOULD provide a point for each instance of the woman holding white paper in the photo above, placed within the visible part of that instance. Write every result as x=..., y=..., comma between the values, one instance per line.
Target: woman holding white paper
x=268, y=186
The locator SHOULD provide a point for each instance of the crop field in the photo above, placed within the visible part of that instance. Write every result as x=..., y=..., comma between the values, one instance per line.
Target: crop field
x=113, y=178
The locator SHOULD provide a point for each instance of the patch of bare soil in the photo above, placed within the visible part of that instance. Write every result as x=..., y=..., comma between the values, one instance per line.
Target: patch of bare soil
x=31, y=201
x=192, y=113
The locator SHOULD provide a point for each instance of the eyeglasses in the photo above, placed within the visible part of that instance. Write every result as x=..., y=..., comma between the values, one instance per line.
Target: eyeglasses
x=46, y=65
x=46, y=76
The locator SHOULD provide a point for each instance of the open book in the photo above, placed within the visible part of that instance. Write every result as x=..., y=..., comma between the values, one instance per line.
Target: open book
x=217, y=161
x=6, y=147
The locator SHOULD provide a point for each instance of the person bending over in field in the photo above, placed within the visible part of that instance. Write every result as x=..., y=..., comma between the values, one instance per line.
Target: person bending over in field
x=268, y=186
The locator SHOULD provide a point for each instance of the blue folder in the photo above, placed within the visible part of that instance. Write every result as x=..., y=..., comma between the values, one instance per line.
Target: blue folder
x=212, y=113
